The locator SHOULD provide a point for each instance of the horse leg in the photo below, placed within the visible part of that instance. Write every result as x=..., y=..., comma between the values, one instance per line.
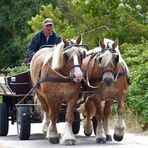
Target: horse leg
x=120, y=125
x=107, y=111
x=44, y=109
x=45, y=122
x=100, y=133
x=68, y=137
x=87, y=124
x=52, y=132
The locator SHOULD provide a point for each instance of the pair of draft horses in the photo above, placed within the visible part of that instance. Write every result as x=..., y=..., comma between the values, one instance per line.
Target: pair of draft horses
x=60, y=71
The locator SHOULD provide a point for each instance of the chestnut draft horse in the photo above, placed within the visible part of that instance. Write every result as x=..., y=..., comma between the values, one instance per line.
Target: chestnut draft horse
x=56, y=73
x=107, y=75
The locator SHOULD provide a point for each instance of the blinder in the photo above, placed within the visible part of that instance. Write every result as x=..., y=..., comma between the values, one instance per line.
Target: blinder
x=66, y=56
x=113, y=51
x=83, y=55
x=117, y=58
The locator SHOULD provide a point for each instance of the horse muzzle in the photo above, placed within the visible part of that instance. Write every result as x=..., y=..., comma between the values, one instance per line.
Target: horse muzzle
x=76, y=77
x=108, y=77
x=76, y=73
x=108, y=81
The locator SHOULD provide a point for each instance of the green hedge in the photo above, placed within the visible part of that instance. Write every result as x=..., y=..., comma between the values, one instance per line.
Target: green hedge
x=16, y=70
x=136, y=57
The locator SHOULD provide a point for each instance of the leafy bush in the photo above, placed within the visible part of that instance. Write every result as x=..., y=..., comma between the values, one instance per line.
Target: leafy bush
x=16, y=70
x=136, y=57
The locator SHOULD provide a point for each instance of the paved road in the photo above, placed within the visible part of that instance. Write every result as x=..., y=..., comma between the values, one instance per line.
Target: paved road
x=37, y=140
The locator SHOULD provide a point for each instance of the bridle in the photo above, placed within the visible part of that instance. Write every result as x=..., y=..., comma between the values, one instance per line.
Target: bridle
x=112, y=51
x=96, y=56
x=63, y=78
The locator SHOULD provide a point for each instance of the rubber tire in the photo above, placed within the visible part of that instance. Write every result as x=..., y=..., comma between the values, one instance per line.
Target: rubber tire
x=76, y=123
x=94, y=121
x=4, y=122
x=23, y=123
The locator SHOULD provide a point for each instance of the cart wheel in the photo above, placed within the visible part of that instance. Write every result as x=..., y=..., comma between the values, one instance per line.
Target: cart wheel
x=3, y=120
x=23, y=123
x=76, y=123
x=94, y=124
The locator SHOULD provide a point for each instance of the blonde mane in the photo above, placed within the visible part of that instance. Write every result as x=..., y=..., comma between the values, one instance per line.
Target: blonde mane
x=109, y=42
x=106, y=57
x=75, y=51
x=57, y=58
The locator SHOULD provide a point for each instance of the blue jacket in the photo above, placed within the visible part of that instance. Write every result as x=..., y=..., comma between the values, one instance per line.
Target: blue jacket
x=39, y=40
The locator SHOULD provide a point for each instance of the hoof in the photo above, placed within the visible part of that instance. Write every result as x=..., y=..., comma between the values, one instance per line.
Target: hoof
x=87, y=134
x=117, y=138
x=108, y=138
x=54, y=140
x=101, y=140
x=70, y=142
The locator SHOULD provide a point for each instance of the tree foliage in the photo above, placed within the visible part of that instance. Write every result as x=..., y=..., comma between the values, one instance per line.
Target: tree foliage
x=14, y=29
x=62, y=25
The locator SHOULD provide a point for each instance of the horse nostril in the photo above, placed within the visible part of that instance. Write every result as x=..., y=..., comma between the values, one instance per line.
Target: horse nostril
x=77, y=78
x=107, y=81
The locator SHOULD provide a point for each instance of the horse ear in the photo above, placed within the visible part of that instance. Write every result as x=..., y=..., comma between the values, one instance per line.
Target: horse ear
x=101, y=44
x=66, y=43
x=115, y=44
x=79, y=39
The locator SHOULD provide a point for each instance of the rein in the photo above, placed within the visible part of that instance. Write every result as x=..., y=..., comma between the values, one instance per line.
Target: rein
x=88, y=83
x=52, y=79
x=65, y=77
x=87, y=79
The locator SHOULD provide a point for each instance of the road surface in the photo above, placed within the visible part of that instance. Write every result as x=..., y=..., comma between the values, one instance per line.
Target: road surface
x=37, y=140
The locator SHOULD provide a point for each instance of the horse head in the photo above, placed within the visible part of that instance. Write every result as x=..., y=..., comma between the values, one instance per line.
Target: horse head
x=69, y=61
x=108, y=60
